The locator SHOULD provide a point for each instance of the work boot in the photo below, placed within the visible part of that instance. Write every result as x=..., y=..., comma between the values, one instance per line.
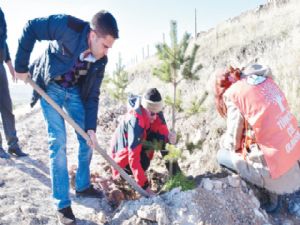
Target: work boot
x=3, y=154
x=90, y=192
x=16, y=150
x=66, y=216
x=274, y=203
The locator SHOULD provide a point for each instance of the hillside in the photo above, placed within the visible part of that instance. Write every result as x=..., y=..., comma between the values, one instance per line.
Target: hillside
x=268, y=35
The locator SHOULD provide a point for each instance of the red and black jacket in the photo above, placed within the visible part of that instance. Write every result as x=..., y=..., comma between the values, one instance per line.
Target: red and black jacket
x=133, y=130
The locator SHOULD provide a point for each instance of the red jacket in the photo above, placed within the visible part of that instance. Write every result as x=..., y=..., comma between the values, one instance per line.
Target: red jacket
x=135, y=127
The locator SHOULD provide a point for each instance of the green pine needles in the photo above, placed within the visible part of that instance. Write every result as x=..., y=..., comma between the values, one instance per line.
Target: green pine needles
x=179, y=180
x=176, y=65
x=173, y=153
x=118, y=83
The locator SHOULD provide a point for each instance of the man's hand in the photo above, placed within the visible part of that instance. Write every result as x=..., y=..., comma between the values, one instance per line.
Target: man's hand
x=22, y=76
x=93, y=139
x=150, y=192
x=172, y=137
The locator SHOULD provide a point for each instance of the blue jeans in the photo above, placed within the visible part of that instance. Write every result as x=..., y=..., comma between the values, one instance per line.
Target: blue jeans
x=69, y=99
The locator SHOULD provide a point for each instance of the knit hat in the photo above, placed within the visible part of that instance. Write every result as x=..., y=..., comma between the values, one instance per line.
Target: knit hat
x=152, y=100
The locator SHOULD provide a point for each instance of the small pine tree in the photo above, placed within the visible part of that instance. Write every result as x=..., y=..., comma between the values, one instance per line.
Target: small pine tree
x=176, y=66
x=173, y=153
x=178, y=104
x=119, y=82
x=196, y=104
x=179, y=180
x=153, y=145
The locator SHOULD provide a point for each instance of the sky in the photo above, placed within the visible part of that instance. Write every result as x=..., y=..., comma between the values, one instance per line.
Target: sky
x=141, y=23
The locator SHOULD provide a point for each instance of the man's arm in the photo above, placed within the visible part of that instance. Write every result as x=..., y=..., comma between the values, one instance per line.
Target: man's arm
x=3, y=35
x=91, y=102
x=50, y=28
x=3, y=30
x=232, y=139
x=91, y=105
x=159, y=128
x=160, y=131
x=91, y=112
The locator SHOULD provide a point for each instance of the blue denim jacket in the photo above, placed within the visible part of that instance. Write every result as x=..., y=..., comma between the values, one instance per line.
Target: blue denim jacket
x=68, y=36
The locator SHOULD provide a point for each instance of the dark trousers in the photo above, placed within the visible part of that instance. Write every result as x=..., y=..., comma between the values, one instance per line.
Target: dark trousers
x=8, y=118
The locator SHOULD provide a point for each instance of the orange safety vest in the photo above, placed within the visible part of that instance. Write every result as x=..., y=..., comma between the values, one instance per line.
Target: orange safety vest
x=265, y=108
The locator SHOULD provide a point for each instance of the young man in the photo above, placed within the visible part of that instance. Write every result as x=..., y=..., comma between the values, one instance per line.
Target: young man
x=71, y=71
x=8, y=118
x=144, y=121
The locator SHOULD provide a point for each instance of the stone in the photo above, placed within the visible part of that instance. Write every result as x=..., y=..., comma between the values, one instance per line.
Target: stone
x=234, y=181
x=207, y=184
x=218, y=185
x=148, y=213
x=161, y=217
x=101, y=217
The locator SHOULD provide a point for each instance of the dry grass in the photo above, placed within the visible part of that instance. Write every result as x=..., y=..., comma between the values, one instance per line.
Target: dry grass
x=269, y=35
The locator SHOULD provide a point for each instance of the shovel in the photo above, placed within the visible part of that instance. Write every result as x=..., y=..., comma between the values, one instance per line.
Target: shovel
x=87, y=138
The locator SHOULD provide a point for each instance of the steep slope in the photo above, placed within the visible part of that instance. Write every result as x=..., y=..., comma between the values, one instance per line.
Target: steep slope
x=269, y=34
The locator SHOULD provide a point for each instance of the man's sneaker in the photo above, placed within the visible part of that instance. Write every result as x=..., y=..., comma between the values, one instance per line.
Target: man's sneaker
x=16, y=151
x=90, y=192
x=3, y=154
x=66, y=216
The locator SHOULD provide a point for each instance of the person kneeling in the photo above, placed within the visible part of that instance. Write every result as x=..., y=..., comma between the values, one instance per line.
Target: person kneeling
x=144, y=122
x=262, y=140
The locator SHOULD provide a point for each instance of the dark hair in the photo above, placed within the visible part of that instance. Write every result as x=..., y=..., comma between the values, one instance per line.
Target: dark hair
x=105, y=24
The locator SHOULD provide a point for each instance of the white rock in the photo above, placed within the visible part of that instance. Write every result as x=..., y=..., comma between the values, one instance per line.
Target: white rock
x=207, y=184
x=148, y=213
x=234, y=181
x=174, y=192
x=161, y=217
x=258, y=213
x=132, y=220
x=101, y=217
x=255, y=201
x=218, y=184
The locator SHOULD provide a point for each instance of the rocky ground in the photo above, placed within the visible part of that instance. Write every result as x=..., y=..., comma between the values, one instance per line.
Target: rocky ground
x=268, y=35
x=25, y=189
